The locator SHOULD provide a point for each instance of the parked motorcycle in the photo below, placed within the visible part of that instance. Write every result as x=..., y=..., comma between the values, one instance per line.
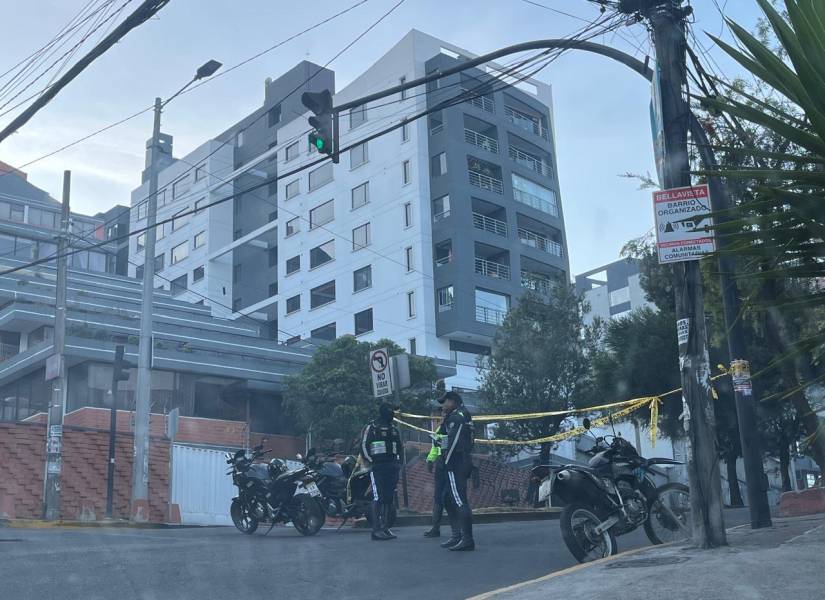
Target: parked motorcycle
x=271, y=493
x=613, y=495
x=346, y=489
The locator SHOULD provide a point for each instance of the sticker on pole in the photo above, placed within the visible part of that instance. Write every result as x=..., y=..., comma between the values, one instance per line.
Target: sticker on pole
x=740, y=374
x=379, y=368
x=683, y=223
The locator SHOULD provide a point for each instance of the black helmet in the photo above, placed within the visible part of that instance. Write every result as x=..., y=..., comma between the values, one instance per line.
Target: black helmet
x=386, y=412
x=277, y=467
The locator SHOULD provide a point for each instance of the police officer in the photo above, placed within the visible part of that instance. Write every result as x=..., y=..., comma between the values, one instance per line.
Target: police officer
x=456, y=449
x=435, y=462
x=381, y=449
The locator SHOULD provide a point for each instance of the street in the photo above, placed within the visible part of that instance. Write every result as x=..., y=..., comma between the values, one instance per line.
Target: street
x=221, y=563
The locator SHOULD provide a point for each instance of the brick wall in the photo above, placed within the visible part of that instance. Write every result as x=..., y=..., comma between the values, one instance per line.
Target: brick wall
x=22, y=465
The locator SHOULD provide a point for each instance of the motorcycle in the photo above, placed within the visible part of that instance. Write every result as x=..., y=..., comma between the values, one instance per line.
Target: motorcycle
x=346, y=489
x=613, y=495
x=271, y=493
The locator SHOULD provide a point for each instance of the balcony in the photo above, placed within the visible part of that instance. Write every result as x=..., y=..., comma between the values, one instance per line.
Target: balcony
x=536, y=283
x=526, y=122
x=480, y=140
x=485, y=223
x=535, y=202
x=531, y=162
x=442, y=215
x=445, y=307
x=540, y=242
x=486, y=182
x=492, y=269
x=7, y=351
x=444, y=260
x=480, y=101
x=491, y=316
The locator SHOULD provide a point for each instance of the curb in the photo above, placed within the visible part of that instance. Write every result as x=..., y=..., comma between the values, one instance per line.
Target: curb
x=114, y=524
x=481, y=518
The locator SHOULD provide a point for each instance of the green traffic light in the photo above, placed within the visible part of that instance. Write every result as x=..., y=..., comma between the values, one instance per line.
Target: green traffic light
x=319, y=143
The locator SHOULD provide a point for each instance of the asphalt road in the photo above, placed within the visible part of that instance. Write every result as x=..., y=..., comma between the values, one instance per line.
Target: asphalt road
x=221, y=563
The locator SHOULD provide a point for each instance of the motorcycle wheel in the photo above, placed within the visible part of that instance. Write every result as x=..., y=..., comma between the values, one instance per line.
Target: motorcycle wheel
x=307, y=515
x=245, y=522
x=578, y=523
x=672, y=501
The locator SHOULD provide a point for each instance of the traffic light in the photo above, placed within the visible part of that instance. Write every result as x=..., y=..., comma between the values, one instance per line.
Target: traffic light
x=323, y=138
x=120, y=368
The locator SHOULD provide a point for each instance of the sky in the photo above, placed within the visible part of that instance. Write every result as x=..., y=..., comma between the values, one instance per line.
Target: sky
x=600, y=107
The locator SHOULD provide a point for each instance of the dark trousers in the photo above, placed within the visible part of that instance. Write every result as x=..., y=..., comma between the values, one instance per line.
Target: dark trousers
x=455, y=499
x=439, y=488
x=384, y=479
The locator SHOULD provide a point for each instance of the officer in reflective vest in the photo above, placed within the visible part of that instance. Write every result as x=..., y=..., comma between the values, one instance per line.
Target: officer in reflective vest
x=381, y=449
x=456, y=448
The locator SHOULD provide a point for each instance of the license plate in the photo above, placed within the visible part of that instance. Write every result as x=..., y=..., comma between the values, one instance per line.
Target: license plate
x=312, y=489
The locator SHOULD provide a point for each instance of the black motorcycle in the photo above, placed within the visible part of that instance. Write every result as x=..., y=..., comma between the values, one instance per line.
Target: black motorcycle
x=612, y=496
x=271, y=493
x=346, y=490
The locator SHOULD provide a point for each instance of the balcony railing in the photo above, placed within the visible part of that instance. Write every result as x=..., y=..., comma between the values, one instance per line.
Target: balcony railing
x=490, y=224
x=446, y=307
x=537, y=284
x=442, y=215
x=531, y=162
x=491, y=316
x=544, y=244
x=492, y=269
x=486, y=182
x=538, y=203
x=444, y=260
x=531, y=124
x=7, y=351
x=437, y=128
x=482, y=141
x=481, y=102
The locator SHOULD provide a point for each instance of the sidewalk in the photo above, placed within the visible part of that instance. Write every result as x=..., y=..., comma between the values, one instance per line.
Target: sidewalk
x=785, y=561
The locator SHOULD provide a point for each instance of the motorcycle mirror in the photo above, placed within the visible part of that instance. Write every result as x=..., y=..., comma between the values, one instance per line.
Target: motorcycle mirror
x=586, y=423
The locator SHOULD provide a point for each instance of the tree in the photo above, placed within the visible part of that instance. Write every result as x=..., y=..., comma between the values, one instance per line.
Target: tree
x=333, y=395
x=539, y=362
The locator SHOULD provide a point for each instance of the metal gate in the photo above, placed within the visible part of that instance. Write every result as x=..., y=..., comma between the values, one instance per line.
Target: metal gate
x=200, y=485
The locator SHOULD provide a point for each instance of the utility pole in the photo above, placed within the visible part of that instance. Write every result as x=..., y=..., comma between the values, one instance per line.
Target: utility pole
x=56, y=368
x=667, y=19
x=396, y=389
x=119, y=373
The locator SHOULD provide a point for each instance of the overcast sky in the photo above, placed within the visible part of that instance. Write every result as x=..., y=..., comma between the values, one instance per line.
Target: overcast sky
x=601, y=108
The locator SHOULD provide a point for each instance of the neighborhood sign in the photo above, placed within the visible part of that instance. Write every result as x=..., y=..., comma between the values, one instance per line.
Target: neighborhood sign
x=380, y=369
x=682, y=223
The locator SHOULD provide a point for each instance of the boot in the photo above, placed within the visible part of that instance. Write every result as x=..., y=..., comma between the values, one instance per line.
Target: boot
x=384, y=520
x=433, y=532
x=454, y=526
x=378, y=533
x=467, y=542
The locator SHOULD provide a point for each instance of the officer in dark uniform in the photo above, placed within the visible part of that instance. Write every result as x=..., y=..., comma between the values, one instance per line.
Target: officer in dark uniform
x=457, y=446
x=435, y=462
x=381, y=449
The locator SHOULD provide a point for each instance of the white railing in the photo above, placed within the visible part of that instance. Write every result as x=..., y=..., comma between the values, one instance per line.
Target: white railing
x=442, y=215
x=486, y=182
x=491, y=316
x=492, y=269
x=482, y=102
x=445, y=307
x=436, y=129
x=482, y=141
x=537, y=284
x=490, y=224
x=531, y=162
x=444, y=260
x=538, y=203
x=539, y=241
x=526, y=122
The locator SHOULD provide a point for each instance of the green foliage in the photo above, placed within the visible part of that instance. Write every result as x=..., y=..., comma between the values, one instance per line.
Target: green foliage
x=333, y=393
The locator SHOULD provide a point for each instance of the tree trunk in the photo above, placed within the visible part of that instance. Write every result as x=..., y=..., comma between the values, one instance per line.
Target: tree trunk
x=784, y=464
x=733, y=481
x=544, y=455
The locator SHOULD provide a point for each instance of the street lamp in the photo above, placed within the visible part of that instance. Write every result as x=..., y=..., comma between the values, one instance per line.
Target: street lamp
x=140, y=466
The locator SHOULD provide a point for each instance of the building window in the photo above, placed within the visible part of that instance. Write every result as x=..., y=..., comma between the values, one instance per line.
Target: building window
x=273, y=216
x=141, y=241
x=273, y=289
x=438, y=164
x=358, y=155
x=323, y=294
x=411, y=304
x=179, y=252
x=292, y=189
x=620, y=296
x=491, y=307
x=142, y=211
x=321, y=215
x=402, y=81
x=293, y=226
x=159, y=263
x=406, y=172
x=293, y=340
x=273, y=115
x=197, y=274
x=405, y=132
x=357, y=116
x=293, y=264
x=180, y=187
x=534, y=195
x=17, y=214
x=200, y=172
x=178, y=285
x=291, y=152
x=293, y=304
x=200, y=239
x=445, y=298
x=441, y=207
x=320, y=255
x=361, y=237
x=237, y=273
x=362, y=278
x=326, y=332
x=407, y=214
x=412, y=346
x=180, y=221
x=320, y=176
x=199, y=204
x=139, y=272
x=273, y=256
x=363, y=321
x=408, y=258
x=360, y=195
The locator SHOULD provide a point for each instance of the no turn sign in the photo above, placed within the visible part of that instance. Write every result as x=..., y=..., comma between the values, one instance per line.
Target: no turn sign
x=379, y=367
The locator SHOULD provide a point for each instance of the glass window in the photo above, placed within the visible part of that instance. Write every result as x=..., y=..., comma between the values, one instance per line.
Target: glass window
x=273, y=256
x=360, y=195
x=491, y=307
x=180, y=187
x=438, y=164
x=320, y=176
x=406, y=172
x=16, y=214
x=178, y=285
x=5, y=209
x=200, y=172
x=292, y=189
x=97, y=262
x=535, y=195
x=411, y=304
x=402, y=81
x=412, y=346
x=293, y=304
x=323, y=294
x=405, y=132
x=159, y=263
x=357, y=116
x=293, y=264
x=620, y=296
x=273, y=289
x=139, y=272
x=322, y=254
x=141, y=241
x=441, y=207
x=142, y=210
x=408, y=258
x=198, y=274
x=363, y=321
x=199, y=204
x=293, y=226
x=321, y=215
x=361, y=237
x=362, y=278
x=445, y=298
x=358, y=155
x=200, y=239
x=273, y=115
x=180, y=221
x=180, y=252
x=291, y=152
x=326, y=332
x=293, y=340
x=407, y=214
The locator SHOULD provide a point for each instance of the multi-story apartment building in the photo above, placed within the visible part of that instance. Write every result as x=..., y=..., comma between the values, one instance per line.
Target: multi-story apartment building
x=612, y=291
x=425, y=235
